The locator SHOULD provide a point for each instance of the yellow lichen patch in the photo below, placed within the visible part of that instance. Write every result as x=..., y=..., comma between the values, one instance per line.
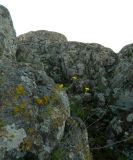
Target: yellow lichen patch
x=30, y=130
x=45, y=98
x=23, y=105
x=16, y=110
x=20, y=89
x=41, y=101
x=19, y=108
x=25, y=145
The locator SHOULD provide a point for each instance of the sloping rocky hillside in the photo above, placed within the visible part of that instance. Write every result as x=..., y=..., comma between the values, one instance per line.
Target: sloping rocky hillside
x=63, y=100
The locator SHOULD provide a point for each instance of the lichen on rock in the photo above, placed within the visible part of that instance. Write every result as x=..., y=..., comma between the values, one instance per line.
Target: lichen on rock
x=63, y=100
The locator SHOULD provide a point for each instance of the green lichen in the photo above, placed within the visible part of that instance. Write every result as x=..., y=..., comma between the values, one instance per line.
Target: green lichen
x=2, y=124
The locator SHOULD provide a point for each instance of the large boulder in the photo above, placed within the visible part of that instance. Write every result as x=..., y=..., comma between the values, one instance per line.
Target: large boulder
x=31, y=45
x=33, y=109
x=33, y=112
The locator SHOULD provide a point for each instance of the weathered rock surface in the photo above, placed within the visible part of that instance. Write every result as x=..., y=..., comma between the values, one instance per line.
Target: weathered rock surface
x=89, y=109
x=74, y=144
x=33, y=109
x=108, y=78
x=121, y=82
x=7, y=34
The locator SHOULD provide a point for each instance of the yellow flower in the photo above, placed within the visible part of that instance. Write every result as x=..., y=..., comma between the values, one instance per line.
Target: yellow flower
x=45, y=98
x=16, y=110
x=58, y=87
x=61, y=86
x=87, y=89
x=20, y=89
x=74, y=78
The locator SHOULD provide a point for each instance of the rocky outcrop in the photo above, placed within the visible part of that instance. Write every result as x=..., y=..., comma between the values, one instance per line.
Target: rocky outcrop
x=99, y=86
x=33, y=45
x=33, y=108
x=63, y=100
x=90, y=64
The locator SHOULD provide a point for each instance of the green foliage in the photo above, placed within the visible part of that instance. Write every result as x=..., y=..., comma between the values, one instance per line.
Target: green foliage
x=57, y=154
x=78, y=110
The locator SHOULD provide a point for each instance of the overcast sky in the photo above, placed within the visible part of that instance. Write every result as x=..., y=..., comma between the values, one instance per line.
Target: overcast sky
x=107, y=22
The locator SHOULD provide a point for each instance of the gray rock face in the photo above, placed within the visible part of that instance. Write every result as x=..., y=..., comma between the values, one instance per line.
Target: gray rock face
x=33, y=109
x=122, y=81
x=91, y=101
x=33, y=45
x=122, y=85
x=100, y=78
x=7, y=34
x=63, y=60
x=33, y=113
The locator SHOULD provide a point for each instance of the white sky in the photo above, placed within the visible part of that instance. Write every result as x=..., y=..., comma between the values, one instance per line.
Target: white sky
x=107, y=22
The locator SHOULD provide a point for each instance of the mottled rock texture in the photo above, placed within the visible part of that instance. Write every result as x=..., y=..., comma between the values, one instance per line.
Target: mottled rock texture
x=7, y=34
x=63, y=100
x=33, y=108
